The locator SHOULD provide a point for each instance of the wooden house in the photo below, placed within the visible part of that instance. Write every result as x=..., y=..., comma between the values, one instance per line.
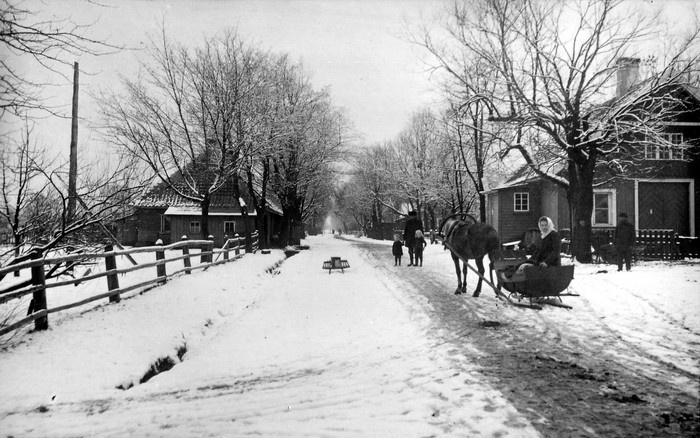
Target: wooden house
x=665, y=198
x=163, y=214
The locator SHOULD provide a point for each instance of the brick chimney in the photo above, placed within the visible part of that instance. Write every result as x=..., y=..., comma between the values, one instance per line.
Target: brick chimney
x=627, y=74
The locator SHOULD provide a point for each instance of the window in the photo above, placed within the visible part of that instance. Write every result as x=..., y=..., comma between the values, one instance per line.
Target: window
x=195, y=227
x=521, y=201
x=229, y=228
x=603, y=208
x=164, y=223
x=672, y=149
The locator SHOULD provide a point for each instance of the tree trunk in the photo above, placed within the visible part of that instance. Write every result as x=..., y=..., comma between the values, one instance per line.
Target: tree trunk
x=205, y=216
x=482, y=207
x=580, y=197
x=376, y=221
x=18, y=243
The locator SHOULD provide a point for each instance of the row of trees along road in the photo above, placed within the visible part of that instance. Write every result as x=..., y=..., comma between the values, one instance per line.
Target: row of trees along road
x=226, y=110
x=533, y=78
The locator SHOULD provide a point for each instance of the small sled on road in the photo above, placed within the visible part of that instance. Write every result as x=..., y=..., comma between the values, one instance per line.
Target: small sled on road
x=536, y=284
x=336, y=263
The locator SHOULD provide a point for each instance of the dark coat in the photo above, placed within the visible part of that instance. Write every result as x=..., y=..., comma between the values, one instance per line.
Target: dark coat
x=419, y=244
x=549, y=251
x=409, y=233
x=624, y=235
x=396, y=248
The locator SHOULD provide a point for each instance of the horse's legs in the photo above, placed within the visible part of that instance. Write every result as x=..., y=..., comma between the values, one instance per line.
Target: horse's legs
x=480, y=267
x=465, y=270
x=455, y=259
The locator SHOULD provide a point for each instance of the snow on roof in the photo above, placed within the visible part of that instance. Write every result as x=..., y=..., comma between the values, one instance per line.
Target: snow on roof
x=196, y=211
x=525, y=175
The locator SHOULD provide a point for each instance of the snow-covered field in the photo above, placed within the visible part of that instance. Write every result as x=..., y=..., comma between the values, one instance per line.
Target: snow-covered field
x=299, y=352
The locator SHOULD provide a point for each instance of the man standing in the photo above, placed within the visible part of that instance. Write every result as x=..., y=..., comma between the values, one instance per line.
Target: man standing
x=624, y=239
x=409, y=234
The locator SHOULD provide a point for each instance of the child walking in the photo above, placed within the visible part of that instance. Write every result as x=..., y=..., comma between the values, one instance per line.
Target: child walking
x=419, y=243
x=397, y=250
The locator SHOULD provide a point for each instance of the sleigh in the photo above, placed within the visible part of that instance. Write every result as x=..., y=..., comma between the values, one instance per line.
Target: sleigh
x=544, y=285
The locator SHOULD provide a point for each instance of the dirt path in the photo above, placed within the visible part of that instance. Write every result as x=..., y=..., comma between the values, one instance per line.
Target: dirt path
x=567, y=383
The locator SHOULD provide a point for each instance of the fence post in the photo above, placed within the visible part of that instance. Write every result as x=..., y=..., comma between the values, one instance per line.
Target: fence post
x=112, y=278
x=237, y=251
x=256, y=241
x=225, y=248
x=39, y=296
x=210, y=249
x=186, y=252
x=160, y=269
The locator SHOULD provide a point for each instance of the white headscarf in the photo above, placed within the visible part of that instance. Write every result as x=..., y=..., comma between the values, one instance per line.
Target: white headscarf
x=550, y=228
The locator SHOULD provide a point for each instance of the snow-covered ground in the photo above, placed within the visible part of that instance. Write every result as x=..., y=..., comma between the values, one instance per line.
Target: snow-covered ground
x=299, y=352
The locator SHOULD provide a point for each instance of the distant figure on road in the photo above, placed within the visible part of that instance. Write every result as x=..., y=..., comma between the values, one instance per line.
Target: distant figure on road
x=625, y=236
x=397, y=250
x=419, y=243
x=409, y=233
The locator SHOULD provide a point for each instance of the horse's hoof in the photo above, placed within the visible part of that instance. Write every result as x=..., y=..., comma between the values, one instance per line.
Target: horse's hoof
x=458, y=292
x=476, y=294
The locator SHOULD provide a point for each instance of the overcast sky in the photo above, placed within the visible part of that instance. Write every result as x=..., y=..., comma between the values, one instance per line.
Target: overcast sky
x=353, y=46
x=356, y=47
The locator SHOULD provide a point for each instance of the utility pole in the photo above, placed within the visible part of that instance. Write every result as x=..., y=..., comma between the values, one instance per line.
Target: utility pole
x=73, y=165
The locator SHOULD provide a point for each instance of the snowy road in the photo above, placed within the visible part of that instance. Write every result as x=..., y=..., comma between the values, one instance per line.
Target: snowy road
x=301, y=353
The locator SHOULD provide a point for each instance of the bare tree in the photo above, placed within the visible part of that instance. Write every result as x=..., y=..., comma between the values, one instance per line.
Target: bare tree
x=554, y=62
x=20, y=164
x=373, y=167
x=354, y=205
x=301, y=161
x=188, y=117
x=48, y=43
x=420, y=154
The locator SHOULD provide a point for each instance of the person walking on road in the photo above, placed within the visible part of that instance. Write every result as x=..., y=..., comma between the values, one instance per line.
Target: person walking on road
x=413, y=224
x=624, y=239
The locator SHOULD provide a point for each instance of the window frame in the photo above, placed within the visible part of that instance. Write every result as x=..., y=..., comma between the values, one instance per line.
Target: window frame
x=612, y=208
x=674, y=152
x=164, y=219
x=233, y=232
x=525, y=198
x=195, y=229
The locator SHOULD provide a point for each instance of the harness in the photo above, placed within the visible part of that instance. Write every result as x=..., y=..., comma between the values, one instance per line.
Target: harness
x=453, y=227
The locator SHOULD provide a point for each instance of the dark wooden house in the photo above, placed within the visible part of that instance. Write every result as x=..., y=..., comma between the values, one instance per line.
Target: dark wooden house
x=163, y=214
x=663, y=196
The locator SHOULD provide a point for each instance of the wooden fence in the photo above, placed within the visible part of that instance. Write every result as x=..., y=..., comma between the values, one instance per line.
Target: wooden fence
x=37, y=286
x=657, y=244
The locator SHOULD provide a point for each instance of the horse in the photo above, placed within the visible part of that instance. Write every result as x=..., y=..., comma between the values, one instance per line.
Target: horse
x=470, y=241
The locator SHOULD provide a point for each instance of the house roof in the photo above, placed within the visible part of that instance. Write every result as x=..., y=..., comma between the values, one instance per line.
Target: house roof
x=161, y=195
x=638, y=90
x=525, y=175
x=196, y=211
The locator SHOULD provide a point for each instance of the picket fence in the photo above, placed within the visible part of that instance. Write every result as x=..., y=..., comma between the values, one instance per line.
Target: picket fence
x=37, y=285
x=655, y=244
